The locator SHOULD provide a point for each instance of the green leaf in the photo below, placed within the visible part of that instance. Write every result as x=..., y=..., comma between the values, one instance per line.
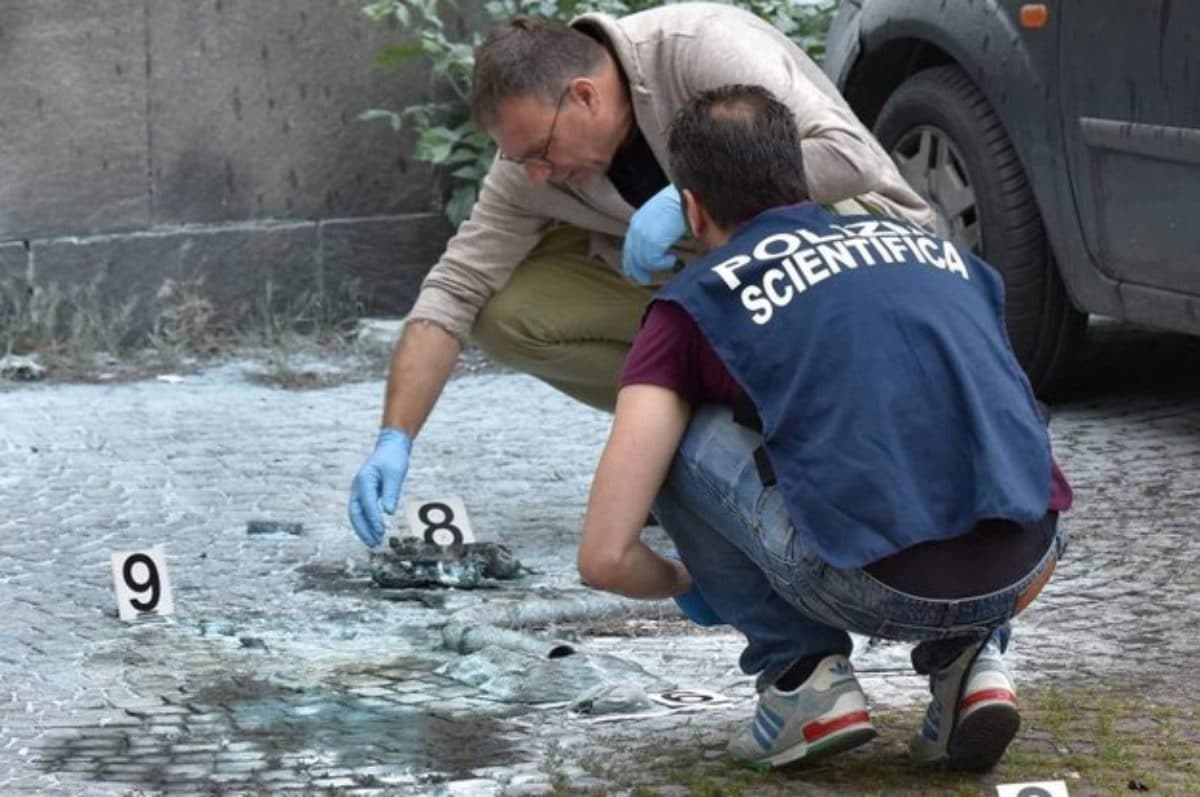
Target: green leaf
x=379, y=113
x=462, y=199
x=462, y=154
x=436, y=143
x=471, y=172
x=396, y=54
x=380, y=9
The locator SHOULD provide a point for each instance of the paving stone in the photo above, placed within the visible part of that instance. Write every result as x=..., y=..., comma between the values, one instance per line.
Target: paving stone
x=236, y=767
x=195, y=748
x=528, y=779
x=470, y=788
x=188, y=770
x=333, y=783
x=205, y=719
x=251, y=748
x=396, y=779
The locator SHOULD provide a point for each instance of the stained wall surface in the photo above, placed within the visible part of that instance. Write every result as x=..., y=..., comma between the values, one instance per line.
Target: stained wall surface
x=216, y=142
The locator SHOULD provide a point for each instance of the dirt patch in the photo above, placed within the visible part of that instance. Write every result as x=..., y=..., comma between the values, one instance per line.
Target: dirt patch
x=1101, y=742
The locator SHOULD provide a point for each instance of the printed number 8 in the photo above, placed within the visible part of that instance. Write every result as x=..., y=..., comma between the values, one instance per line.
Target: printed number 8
x=445, y=524
x=150, y=584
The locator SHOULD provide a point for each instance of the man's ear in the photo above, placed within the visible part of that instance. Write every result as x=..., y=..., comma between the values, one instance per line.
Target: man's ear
x=697, y=219
x=585, y=91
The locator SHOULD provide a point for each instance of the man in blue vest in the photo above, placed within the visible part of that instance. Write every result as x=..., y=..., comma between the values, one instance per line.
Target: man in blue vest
x=826, y=417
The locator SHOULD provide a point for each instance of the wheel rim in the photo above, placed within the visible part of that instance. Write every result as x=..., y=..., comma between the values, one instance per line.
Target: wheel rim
x=931, y=163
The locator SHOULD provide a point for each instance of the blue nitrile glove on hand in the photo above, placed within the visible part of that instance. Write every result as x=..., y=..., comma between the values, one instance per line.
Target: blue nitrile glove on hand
x=379, y=480
x=655, y=227
x=693, y=605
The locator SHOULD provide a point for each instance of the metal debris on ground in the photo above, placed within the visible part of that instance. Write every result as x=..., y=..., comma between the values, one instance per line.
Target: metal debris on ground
x=412, y=562
x=21, y=369
x=257, y=527
x=216, y=628
x=610, y=698
x=428, y=599
x=514, y=676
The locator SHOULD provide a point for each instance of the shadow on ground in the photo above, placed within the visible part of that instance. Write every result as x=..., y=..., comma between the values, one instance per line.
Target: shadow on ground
x=1119, y=359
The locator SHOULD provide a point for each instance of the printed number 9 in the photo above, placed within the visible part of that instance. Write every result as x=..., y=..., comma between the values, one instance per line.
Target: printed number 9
x=150, y=583
x=445, y=524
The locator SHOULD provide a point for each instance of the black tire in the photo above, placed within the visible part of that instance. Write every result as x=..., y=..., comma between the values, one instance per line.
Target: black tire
x=1004, y=226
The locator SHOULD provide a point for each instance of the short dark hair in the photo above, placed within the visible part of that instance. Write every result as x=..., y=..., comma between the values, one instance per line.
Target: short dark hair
x=737, y=149
x=528, y=56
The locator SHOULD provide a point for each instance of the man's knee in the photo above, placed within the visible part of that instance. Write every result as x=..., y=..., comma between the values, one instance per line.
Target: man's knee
x=518, y=322
x=502, y=328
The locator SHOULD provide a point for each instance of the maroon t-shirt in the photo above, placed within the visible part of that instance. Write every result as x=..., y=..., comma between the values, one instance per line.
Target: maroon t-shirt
x=670, y=351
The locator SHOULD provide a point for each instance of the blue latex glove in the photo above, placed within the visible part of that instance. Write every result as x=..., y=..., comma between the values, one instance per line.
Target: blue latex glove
x=693, y=605
x=654, y=229
x=379, y=480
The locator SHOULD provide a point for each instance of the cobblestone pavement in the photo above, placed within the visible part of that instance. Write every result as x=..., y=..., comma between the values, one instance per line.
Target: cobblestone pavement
x=283, y=667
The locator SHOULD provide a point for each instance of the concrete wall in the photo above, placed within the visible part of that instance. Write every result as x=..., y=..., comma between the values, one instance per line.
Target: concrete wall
x=142, y=140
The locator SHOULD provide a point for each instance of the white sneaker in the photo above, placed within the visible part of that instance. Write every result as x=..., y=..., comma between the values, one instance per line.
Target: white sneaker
x=973, y=715
x=826, y=714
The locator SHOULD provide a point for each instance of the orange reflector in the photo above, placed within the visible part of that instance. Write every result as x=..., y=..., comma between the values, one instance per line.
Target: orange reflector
x=1034, y=15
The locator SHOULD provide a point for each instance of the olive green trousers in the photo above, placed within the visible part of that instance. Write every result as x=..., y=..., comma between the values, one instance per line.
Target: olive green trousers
x=566, y=318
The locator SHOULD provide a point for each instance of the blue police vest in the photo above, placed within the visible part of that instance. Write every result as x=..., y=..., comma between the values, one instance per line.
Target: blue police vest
x=893, y=409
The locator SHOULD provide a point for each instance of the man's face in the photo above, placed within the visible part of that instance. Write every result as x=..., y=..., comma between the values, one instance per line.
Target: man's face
x=565, y=142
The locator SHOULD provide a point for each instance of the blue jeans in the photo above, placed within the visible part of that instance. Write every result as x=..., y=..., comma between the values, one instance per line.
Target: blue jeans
x=734, y=536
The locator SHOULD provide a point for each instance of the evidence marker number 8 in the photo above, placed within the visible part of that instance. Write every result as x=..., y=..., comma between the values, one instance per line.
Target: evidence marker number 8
x=442, y=521
x=142, y=584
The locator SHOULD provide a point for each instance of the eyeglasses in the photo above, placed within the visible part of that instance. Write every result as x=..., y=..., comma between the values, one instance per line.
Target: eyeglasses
x=542, y=160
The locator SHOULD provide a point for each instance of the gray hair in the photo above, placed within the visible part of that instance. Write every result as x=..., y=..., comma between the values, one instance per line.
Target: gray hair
x=529, y=56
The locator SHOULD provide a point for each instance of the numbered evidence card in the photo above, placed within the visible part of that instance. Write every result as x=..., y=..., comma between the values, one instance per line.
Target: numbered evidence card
x=441, y=521
x=1049, y=788
x=142, y=584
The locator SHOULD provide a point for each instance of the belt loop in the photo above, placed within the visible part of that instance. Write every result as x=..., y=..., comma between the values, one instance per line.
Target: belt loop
x=766, y=473
x=950, y=613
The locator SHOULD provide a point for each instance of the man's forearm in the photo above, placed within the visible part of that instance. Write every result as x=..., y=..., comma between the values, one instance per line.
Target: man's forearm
x=421, y=364
x=642, y=573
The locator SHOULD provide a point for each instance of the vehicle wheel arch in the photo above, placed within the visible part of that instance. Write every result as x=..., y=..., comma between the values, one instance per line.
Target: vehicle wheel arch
x=881, y=70
x=899, y=38
x=883, y=67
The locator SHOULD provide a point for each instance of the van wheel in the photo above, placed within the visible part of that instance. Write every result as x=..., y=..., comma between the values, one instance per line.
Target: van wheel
x=952, y=149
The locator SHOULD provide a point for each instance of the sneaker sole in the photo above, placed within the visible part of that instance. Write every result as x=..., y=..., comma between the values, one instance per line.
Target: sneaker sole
x=845, y=739
x=981, y=737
